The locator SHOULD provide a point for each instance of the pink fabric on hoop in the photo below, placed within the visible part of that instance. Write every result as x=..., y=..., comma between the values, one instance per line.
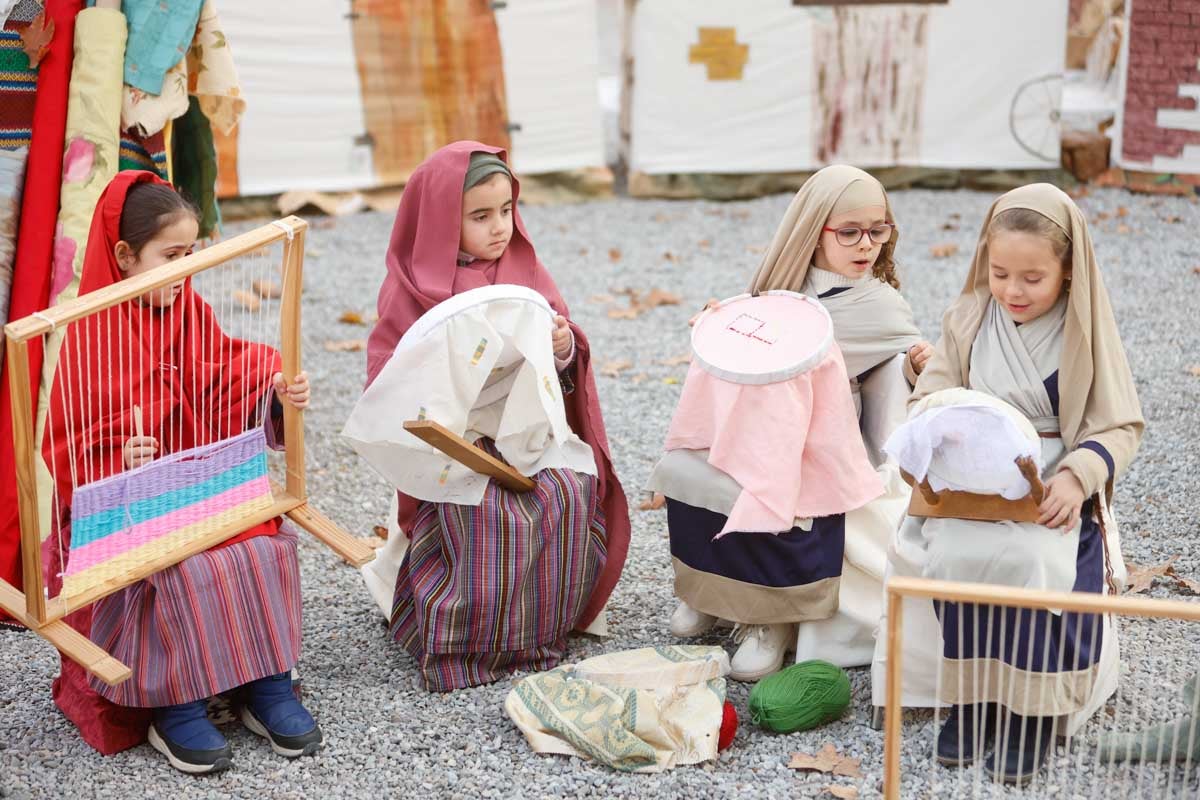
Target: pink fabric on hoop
x=793, y=446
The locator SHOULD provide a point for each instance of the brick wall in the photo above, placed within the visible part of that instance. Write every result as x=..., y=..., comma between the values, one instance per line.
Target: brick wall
x=1164, y=46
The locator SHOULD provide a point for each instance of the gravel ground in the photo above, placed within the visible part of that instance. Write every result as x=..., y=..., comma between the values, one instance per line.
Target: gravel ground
x=385, y=734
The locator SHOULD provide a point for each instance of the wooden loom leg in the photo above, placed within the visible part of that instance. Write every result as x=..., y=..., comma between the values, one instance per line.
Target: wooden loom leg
x=70, y=642
x=24, y=452
x=355, y=552
x=893, y=708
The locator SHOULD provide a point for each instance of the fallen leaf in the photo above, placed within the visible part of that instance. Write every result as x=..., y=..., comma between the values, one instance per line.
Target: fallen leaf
x=1103, y=215
x=36, y=39
x=943, y=250
x=661, y=217
x=756, y=249
x=614, y=254
x=1123, y=229
x=268, y=290
x=352, y=318
x=1142, y=578
x=600, y=298
x=715, y=212
x=1186, y=583
x=641, y=376
x=613, y=369
x=380, y=531
x=704, y=244
x=669, y=256
x=1174, y=219
x=583, y=251
x=844, y=792
x=1181, y=582
x=653, y=503
x=676, y=361
x=657, y=297
x=1196, y=270
x=346, y=345
x=1122, y=211
x=1195, y=371
x=828, y=760
x=955, y=215
x=740, y=214
x=671, y=380
x=637, y=303
x=247, y=300
x=949, y=226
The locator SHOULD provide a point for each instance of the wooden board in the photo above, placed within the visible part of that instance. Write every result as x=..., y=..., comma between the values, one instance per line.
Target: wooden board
x=468, y=454
x=967, y=505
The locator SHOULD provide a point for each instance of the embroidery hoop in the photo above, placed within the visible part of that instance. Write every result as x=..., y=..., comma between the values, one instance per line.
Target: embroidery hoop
x=749, y=319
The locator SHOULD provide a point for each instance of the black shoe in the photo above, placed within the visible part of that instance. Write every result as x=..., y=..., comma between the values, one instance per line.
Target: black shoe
x=1028, y=745
x=966, y=734
x=185, y=736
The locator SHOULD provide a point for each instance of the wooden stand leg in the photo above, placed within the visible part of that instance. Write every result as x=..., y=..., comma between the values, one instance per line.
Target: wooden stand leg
x=354, y=552
x=70, y=642
x=468, y=455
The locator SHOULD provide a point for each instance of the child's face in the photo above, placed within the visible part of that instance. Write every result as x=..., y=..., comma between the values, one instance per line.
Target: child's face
x=1025, y=276
x=487, y=222
x=856, y=260
x=174, y=241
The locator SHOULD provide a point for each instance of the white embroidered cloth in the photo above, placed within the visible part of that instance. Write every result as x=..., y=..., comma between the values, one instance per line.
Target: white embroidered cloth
x=480, y=364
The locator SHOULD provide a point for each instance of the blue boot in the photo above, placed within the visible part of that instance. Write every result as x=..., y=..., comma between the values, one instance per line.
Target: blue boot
x=189, y=741
x=274, y=713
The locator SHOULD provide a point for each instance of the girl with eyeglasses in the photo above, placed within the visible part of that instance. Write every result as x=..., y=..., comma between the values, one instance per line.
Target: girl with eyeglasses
x=836, y=243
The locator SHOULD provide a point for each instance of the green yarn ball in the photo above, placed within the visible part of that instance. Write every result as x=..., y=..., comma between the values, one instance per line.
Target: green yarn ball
x=800, y=697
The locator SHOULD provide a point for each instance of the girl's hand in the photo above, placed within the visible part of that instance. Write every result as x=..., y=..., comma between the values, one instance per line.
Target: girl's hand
x=919, y=355
x=713, y=303
x=296, y=392
x=139, y=450
x=1064, y=497
x=561, y=338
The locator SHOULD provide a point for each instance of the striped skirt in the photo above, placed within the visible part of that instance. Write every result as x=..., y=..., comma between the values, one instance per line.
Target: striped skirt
x=756, y=578
x=1035, y=663
x=486, y=590
x=214, y=622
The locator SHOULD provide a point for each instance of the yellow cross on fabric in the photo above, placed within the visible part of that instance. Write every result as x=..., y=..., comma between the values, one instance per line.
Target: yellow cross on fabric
x=720, y=53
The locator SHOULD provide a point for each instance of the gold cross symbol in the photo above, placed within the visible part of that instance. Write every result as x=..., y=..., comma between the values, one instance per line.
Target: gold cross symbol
x=721, y=54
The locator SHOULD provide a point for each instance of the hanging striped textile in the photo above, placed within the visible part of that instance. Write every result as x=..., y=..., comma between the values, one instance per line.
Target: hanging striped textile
x=134, y=517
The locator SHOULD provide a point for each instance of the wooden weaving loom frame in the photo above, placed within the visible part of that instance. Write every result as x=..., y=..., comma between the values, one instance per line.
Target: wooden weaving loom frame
x=29, y=604
x=899, y=588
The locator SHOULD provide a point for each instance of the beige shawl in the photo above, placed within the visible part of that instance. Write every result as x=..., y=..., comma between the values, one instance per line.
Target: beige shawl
x=788, y=258
x=1097, y=398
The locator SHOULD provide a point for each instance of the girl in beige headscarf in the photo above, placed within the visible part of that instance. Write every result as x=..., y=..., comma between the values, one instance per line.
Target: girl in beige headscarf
x=1034, y=327
x=836, y=243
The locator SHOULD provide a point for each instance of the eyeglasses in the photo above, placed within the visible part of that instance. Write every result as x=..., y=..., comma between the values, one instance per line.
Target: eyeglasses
x=850, y=236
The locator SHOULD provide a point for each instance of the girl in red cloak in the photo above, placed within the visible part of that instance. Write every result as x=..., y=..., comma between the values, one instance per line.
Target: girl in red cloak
x=483, y=591
x=225, y=618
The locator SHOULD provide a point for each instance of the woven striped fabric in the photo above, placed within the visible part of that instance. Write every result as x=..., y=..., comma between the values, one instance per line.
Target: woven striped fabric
x=18, y=88
x=128, y=519
x=143, y=152
x=213, y=622
x=485, y=590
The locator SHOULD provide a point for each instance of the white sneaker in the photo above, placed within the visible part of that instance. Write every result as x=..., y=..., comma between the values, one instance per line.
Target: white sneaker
x=762, y=650
x=687, y=621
